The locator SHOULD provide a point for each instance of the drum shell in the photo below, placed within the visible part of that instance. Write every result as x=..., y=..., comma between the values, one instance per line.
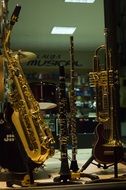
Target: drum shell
x=44, y=91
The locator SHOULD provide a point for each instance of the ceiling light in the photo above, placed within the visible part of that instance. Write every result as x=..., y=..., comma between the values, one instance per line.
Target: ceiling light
x=79, y=1
x=63, y=30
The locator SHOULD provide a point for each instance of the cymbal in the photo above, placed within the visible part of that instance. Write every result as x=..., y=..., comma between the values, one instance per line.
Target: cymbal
x=46, y=105
x=25, y=56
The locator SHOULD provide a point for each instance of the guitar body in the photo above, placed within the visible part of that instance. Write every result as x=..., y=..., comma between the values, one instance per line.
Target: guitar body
x=104, y=151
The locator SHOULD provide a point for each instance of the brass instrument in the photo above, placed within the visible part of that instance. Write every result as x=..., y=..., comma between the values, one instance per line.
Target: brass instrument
x=35, y=135
x=99, y=80
x=105, y=80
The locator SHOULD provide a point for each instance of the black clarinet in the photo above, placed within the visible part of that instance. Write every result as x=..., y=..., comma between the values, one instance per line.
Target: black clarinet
x=72, y=118
x=65, y=173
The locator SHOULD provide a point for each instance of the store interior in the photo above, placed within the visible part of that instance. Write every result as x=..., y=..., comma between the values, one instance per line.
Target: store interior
x=63, y=96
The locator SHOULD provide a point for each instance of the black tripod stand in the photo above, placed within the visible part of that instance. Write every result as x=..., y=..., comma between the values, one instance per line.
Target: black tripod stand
x=105, y=166
x=90, y=161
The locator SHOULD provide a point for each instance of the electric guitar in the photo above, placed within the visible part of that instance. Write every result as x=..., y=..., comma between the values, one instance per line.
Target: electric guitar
x=106, y=150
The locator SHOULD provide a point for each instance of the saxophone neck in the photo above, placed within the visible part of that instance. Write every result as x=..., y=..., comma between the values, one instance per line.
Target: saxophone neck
x=9, y=27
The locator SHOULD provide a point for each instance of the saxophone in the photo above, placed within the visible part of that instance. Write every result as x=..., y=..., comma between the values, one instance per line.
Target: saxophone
x=35, y=135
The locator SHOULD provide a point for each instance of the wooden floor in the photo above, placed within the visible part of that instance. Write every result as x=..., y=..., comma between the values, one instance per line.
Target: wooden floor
x=52, y=168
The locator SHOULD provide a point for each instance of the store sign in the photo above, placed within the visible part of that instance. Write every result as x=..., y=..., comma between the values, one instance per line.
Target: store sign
x=49, y=60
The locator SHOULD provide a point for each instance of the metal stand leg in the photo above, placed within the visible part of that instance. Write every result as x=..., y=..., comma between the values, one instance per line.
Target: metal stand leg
x=113, y=179
x=89, y=161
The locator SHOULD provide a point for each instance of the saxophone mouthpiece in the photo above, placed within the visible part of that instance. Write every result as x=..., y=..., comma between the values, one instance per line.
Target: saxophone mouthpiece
x=14, y=17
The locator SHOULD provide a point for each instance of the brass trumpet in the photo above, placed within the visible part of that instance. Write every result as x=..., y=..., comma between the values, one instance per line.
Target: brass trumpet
x=105, y=80
x=99, y=79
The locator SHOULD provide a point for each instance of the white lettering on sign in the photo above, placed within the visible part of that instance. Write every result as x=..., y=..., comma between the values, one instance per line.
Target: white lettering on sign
x=9, y=138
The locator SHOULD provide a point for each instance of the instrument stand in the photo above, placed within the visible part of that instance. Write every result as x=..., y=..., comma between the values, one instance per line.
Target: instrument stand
x=23, y=179
x=69, y=177
x=90, y=161
x=11, y=178
x=74, y=178
x=115, y=164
